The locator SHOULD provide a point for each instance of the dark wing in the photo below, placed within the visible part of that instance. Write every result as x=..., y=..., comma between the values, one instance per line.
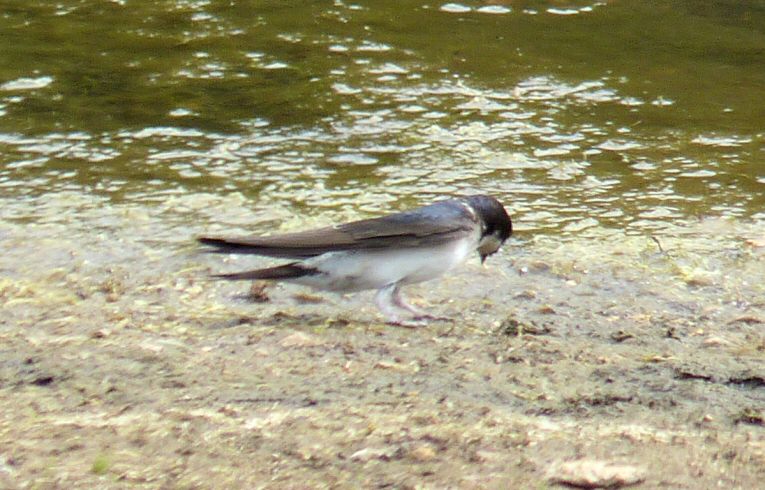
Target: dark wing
x=427, y=226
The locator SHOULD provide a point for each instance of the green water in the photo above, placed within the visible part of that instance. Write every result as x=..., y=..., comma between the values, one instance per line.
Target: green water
x=642, y=115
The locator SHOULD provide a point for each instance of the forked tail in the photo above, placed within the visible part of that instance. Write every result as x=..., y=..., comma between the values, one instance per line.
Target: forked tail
x=286, y=271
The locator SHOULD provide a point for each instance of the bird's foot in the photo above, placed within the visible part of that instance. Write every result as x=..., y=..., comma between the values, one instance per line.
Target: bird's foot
x=391, y=303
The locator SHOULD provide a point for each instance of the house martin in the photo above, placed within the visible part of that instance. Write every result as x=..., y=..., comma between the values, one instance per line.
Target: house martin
x=383, y=253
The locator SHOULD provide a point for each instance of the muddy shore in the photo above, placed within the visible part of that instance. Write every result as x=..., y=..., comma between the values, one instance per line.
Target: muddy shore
x=124, y=367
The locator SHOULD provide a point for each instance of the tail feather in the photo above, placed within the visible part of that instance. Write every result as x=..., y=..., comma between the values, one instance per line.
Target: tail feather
x=225, y=246
x=286, y=271
x=236, y=246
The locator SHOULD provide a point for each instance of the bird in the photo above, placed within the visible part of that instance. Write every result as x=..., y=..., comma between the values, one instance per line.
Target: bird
x=381, y=254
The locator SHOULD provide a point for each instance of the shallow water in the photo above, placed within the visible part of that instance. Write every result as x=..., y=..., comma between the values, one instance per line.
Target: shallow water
x=579, y=115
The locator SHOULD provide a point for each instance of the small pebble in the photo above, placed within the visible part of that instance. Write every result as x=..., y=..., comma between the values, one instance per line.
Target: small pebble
x=423, y=453
x=588, y=473
x=300, y=339
x=370, y=453
x=714, y=341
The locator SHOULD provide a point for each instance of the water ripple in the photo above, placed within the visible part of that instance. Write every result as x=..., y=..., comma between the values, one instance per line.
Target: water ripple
x=385, y=130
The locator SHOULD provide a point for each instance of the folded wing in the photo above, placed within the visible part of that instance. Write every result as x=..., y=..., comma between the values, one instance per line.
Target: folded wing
x=427, y=226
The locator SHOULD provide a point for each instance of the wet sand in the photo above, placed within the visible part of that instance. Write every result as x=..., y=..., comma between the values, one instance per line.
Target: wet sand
x=124, y=367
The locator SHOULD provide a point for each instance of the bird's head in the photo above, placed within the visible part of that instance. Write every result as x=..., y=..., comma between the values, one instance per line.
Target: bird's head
x=496, y=226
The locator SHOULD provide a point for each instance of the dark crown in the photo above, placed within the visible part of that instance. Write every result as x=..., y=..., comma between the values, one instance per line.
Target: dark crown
x=493, y=214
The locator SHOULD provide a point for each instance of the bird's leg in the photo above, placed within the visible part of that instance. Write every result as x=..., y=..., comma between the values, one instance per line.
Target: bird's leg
x=401, y=302
x=388, y=300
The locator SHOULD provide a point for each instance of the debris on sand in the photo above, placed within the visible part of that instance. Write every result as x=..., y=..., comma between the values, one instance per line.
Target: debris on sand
x=370, y=453
x=300, y=339
x=516, y=328
x=589, y=473
x=258, y=292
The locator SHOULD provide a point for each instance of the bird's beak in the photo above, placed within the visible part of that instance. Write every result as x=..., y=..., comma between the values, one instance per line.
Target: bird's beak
x=483, y=259
x=489, y=245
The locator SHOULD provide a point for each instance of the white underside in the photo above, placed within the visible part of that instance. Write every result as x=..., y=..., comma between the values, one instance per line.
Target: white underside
x=361, y=270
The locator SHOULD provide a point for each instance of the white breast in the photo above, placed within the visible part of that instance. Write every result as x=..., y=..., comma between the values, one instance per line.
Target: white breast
x=360, y=270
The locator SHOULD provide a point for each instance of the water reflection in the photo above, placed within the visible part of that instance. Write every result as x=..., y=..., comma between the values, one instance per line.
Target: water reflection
x=364, y=113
